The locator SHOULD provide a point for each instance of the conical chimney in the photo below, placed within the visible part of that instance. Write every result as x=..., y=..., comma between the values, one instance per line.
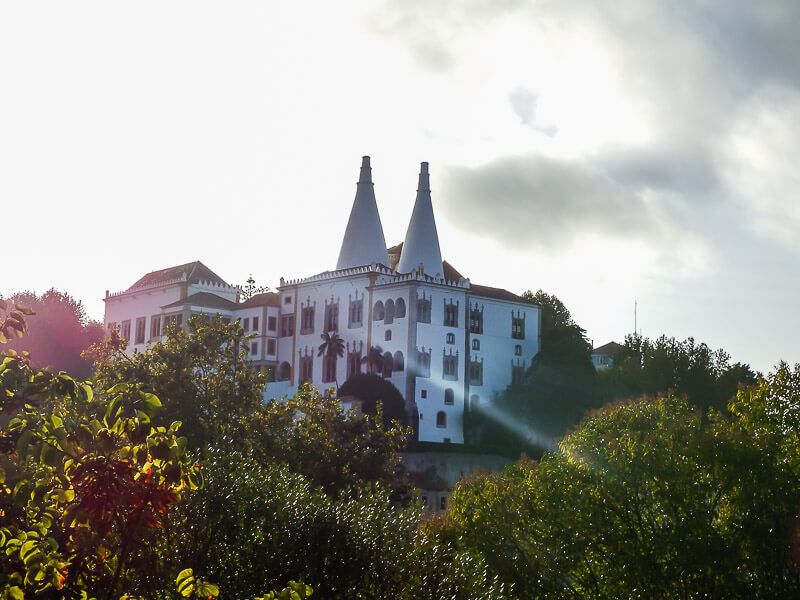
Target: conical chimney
x=421, y=246
x=363, y=242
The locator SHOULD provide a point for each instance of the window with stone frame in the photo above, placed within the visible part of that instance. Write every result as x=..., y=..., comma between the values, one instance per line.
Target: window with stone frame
x=450, y=367
x=141, y=324
x=271, y=345
x=306, y=368
x=449, y=396
x=518, y=326
x=423, y=363
x=253, y=348
x=255, y=324
x=355, y=314
x=441, y=419
x=125, y=330
x=353, y=363
x=423, y=309
x=329, y=368
x=517, y=350
x=155, y=326
x=476, y=319
x=287, y=326
x=450, y=338
x=332, y=316
x=451, y=314
x=246, y=323
x=476, y=344
x=307, y=320
x=476, y=372
x=272, y=323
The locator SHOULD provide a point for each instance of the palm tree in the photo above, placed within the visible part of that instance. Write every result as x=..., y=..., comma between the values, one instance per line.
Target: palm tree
x=332, y=347
x=374, y=360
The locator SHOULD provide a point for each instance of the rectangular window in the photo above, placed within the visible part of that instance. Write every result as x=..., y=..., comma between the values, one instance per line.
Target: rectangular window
x=355, y=314
x=518, y=327
x=307, y=320
x=253, y=348
x=271, y=347
x=255, y=324
x=353, y=364
x=443, y=499
x=306, y=368
x=476, y=320
x=272, y=323
x=287, y=299
x=424, y=310
x=329, y=368
x=246, y=323
x=173, y=320
x=424, y=364
x=287, y=326
x=125, y=330
x=451, y=315
x=450, y=367
x=423, y=393
x=155, y=326
x=476, y=373
x=141, y=323
x=332, y=317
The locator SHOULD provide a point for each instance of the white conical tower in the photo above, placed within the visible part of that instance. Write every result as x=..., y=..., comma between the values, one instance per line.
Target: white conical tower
x=363, y=242
x=421, y=246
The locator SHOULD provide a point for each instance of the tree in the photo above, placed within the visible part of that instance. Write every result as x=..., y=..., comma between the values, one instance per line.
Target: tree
x=374, y=360
x=58, y=332
x=201, y=374
x=665, y=365
x=373, y=390
x=556, y=392
x=332, y=347
x=336, y=450
x=79, y=495
x=649, y=499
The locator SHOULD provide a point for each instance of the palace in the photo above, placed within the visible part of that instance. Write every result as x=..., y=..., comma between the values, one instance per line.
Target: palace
x=446, y=343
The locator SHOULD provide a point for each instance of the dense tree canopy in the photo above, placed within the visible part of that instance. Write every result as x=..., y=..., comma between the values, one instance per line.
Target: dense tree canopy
x=57, y=333
x=650, y=500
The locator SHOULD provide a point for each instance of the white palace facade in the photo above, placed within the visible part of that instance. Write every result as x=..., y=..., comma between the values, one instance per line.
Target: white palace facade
x=447, y=344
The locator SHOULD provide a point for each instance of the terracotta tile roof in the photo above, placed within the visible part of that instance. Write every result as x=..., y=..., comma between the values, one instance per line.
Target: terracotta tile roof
x=608, y=349
x=265, y=299
x=493, y=292
x=206, y=300
x=194, y=271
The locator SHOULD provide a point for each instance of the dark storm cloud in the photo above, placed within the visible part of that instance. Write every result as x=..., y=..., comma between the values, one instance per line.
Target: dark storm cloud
x=537, y=201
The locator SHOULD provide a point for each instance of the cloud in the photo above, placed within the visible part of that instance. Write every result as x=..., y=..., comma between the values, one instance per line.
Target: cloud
x=758, y=162
x=523, y=102
x=537, y=201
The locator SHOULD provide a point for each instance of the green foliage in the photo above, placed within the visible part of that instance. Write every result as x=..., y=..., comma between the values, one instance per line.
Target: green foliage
x=78, y=494
x=649, y=500
x=201, y=374
x=334, y=449
x=557, y=391
x=57, y=332
x=705, y=376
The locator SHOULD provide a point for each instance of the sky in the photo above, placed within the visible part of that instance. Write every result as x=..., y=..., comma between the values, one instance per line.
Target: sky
x=609, y=153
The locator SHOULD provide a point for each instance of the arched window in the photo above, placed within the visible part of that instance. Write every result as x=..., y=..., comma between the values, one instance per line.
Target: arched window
x=449, y=396
x=387, y=364
x=451, y=338
x=389, y=312
x=441, y=419
x=378, y=312
x=476, y=344
x=399, y=361
x=284, y=372
x=388, y=335
x=474, y=401
x=400, y=308
x=517, y=350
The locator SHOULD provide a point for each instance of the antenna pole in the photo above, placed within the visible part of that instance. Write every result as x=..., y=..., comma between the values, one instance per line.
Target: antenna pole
x=635, y=316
